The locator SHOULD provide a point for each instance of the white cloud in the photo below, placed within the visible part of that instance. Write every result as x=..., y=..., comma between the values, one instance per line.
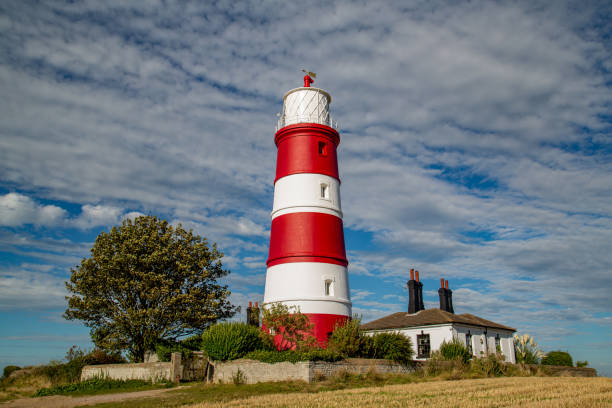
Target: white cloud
x=24, y=288
x=94, y=215
x=17, y=209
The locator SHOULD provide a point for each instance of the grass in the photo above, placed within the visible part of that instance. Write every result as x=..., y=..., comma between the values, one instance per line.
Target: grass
x=224, y=393
x=534, y=392
x=22, y=386
x=97, y=386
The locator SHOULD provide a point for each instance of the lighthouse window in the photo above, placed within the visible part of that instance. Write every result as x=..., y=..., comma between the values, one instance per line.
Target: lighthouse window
x=329, y=288
x=323, y=148
x=423, y=345
x=325, y=191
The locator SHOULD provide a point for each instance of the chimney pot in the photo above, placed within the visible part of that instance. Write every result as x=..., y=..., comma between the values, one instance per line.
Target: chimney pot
x=412, y=274
x=250, y=304
x=442, y=283
x=417, y=276
x=446, y=284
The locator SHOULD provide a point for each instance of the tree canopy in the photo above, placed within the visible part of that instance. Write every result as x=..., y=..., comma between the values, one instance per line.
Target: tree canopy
x=147, y=281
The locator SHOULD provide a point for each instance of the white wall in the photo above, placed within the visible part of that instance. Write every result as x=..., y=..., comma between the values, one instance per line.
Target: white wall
x=302, y=193
x=480, y=341
x=485, y=344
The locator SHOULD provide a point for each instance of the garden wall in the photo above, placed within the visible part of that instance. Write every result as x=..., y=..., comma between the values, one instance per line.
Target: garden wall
x=139, y=371
x=190, y=369
x=563, y=371
x=252, y=371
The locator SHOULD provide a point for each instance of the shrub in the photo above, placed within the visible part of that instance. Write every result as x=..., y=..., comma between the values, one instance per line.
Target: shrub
x=293, y=356
x=8, y=370
x=292, y=329
x=455, y=350
x=526, y=350
x=392, y=346
x=230, y=340
x=490, y=366
x=76, y=358
x=582, y=364
x=348, y=340
x=558, y=358
x=98, y=356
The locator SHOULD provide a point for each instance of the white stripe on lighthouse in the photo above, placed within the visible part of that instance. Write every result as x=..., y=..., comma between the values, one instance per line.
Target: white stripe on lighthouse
x=307, y=192
x=314, y=286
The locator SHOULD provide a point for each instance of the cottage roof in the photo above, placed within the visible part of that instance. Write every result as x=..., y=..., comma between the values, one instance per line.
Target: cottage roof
x=428, y=317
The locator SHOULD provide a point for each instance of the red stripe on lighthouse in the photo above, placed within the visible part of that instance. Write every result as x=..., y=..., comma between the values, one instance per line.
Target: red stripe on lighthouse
x=324, y=325
x=317, y=236
x=307, y=148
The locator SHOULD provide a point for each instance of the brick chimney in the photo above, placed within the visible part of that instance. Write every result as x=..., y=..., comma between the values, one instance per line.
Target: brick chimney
x=415, y=293
x=253, y=314
x=446, y=297
x=449, y=298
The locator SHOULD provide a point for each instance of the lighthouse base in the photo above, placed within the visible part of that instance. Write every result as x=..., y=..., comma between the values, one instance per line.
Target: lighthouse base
x=323, y=327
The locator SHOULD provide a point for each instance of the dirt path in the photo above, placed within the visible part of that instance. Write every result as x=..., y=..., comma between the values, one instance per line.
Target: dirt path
x=60, y=401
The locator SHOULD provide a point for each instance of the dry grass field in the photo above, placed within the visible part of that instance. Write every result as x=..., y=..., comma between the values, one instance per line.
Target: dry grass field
x=492, y=392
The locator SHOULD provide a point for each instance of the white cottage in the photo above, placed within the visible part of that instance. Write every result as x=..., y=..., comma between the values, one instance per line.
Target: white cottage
x=429, y=328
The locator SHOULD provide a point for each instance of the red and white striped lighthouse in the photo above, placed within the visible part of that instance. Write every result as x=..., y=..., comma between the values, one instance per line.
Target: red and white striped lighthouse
x=307, y=265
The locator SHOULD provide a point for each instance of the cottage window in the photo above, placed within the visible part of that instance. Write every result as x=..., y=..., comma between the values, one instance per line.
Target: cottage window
x=423, y=345
x=497, y=344
x=468, y=342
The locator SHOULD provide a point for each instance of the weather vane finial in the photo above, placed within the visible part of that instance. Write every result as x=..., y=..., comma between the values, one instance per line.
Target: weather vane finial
x=308, y=79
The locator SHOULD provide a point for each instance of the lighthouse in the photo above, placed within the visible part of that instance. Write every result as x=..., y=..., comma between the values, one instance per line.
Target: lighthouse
x=307, y=265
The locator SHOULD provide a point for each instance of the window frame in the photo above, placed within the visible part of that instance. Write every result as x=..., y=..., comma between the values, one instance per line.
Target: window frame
x=328, y=287
x=322, y=148
x=468, y=343
x=324, y=191
x=424, y=348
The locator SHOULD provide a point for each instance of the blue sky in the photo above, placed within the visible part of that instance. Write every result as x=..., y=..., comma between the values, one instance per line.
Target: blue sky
x=476, y=146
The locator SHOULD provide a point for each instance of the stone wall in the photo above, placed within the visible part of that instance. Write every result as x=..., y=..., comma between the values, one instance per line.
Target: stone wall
x=563, y=371
x=174, y=370
x=252, y=371
x=139, y=371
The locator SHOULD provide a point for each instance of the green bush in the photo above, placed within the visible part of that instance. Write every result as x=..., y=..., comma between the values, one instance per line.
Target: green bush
x=582, y=364
x=9, y=369
x=455, y=350
x=293, y=356
x=231, y=340
x=348, y=340
x=558, y=358
x=392, y=346
x=70, y=371
x=490, y=366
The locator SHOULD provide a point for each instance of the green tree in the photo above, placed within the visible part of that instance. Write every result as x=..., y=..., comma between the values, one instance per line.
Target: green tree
x=558, y=358
x=147, y=281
